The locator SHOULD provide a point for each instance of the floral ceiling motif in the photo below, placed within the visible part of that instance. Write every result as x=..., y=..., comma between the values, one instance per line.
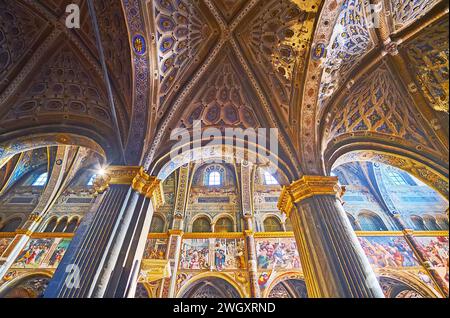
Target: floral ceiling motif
x=230, y=8
x=349, y=42
x=376, y=105
x=223, y=100
x=65, y=87
x=182, y=34
x=277, y=40
x=404, y=12
x=428, y=57
x=19, y=31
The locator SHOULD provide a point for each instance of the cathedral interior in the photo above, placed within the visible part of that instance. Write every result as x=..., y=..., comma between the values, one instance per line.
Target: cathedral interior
x=98, y=200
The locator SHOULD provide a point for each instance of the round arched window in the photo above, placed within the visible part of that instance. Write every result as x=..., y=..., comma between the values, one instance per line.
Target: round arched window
x=51, y=224
x=223, y=225
x=371, y=222
x=72, y=226
x=157, y=225
x=430, y=223
x=61, y=225
x=11, y=225
x=272, y=224
x=418, y=223
x=201, y=225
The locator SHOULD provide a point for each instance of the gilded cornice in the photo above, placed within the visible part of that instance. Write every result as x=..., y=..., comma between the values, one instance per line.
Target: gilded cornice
x=306, y=187
x=134, y=176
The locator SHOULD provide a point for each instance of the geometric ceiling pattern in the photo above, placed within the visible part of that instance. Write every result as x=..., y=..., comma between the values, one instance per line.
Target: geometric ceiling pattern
x=428, y=61
x=182, y=34
x=20, y=29
x=349, y=42
x=64, y=89
x=230, y=63
x=404, y=12
x=376, y=105
x=222, y=100
x=276, y=40
x=285, y=64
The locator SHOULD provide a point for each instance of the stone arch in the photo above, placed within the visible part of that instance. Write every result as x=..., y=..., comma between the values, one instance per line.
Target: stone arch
x=172, y=159
x=276, y=218
x=224, y=216
x=12, y=223
x=13, y=146
x=201, y=216
x=419, y=283
x=50, y=224
x=284, y=278
x=376, y=220
x=26, y=286
x=161, y=217
x=433, y=173
x=222, y=287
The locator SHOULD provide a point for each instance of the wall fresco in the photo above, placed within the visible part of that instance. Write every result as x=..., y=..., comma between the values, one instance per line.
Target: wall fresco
x=385, y=251
x=42, y=253
x=277, y=253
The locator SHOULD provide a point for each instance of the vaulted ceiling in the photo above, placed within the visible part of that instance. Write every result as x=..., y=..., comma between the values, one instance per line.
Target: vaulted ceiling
x=315, y=69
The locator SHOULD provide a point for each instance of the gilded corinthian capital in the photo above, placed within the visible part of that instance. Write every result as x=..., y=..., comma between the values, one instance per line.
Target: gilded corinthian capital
x=136, y=177
x=306, y=187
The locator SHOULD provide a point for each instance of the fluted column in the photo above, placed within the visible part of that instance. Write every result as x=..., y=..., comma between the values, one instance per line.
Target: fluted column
x=173, y=256
x=246, y=176
x=252, y=263
x=103, y=258
x=332, y=259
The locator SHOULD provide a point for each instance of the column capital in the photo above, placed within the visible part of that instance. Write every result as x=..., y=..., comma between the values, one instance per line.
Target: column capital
x=306, y=187
x=134, y=176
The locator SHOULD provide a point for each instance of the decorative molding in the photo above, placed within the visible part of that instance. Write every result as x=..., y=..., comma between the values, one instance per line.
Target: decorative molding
x=306, y=187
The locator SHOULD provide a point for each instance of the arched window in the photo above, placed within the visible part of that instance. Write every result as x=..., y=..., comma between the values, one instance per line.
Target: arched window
x=396, y=177
x=201, y=225
x=272, y=224
x=11, y=225
x=430, y=223
x=353, y=222
x=61, y=225
x=41, y=180
x=72, y=226
x=443, y=223
x=51, y=224
x=223, y=225
x=214, y=178
x=91, y=180
x=371, y=222
x=269, y=179
x=157, y=225
x=418, y=223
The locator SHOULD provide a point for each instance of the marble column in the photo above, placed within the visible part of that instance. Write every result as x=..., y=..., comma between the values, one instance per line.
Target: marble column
x=103, y=257
x=333, y=261
x=252, y=263
x=246, y=175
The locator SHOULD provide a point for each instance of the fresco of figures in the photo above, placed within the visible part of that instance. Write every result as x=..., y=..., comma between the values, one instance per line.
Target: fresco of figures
x=42, y=253
x=435, y=250
x=386, y=251
x=155, y=249
x=195, y=254
x=4, y=243
x=213, y=254
x=277, y=254
x=229, y=254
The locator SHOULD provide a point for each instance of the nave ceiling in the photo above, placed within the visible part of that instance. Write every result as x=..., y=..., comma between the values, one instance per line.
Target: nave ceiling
x=313, y=69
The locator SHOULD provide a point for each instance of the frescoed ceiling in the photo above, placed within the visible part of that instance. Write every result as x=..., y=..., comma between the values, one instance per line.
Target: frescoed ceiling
x=427, y=57
x=318, y=70
x=51, y=78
